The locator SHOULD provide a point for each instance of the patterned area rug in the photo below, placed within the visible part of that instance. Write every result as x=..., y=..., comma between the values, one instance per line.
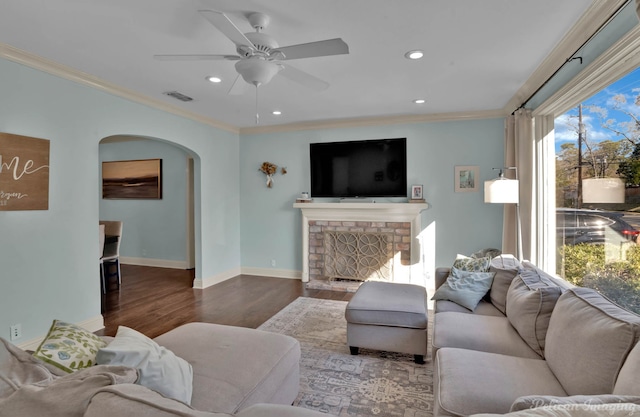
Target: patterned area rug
x=373, y=383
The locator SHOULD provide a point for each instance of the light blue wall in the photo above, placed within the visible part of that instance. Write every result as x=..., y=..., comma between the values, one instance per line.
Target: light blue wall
x=463, y=223
x=152, y=229
x=48, y=259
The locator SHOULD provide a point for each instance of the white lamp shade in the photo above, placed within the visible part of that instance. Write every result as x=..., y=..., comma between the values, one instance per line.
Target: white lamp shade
x=603, y=190
x=501, y=191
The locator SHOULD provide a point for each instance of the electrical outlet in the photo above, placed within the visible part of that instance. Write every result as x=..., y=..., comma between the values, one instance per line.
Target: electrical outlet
x=273, y=262
x=16, y=331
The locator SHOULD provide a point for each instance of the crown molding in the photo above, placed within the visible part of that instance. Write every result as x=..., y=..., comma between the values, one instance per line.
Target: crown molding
x=62, y=71
x=374, y=121
x=594, y=17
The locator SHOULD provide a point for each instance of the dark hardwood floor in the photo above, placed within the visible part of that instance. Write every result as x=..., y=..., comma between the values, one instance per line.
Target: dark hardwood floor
x=156, y=300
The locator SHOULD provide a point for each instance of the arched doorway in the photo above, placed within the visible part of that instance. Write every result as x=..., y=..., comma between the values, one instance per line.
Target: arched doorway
x=159, y=232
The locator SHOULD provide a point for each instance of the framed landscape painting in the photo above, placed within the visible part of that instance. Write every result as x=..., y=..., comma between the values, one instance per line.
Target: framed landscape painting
x=138, y=179
x=466, y=178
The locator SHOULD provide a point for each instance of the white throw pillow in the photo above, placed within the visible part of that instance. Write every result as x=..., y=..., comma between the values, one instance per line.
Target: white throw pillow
x=159, y=368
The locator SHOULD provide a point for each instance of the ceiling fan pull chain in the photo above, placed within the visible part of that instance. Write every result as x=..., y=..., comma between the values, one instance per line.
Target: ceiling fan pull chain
x=257, y=114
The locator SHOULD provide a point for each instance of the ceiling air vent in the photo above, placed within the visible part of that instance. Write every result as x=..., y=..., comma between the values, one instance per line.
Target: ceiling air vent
x=178, y=96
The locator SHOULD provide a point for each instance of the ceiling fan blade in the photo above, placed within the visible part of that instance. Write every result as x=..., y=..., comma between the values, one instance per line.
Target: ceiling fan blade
x=226, y=26
x=238, y=87
x=196, y=57
x=312, y=49
x=303, y=78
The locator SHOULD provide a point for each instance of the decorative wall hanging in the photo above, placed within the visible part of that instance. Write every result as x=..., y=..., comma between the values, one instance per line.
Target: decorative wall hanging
x=24, y=173
x=269, y=170
x=138, y=179
x=466, y=179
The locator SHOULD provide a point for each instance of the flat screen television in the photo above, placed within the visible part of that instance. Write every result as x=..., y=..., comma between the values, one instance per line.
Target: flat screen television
x=363, y=168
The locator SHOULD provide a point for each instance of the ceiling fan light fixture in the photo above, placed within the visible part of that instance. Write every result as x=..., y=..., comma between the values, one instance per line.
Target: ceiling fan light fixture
x=257, y=71
x=415, y=54
x=214, y=79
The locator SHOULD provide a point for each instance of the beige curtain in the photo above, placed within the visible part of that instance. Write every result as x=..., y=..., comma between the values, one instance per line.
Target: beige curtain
x=519, y=153
x=529, y=146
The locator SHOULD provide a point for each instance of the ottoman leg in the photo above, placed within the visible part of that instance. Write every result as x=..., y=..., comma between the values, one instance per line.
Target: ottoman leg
x=353, y=350
x=419, y=359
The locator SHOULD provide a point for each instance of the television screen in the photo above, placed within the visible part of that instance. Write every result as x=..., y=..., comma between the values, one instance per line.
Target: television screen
x=365, y=168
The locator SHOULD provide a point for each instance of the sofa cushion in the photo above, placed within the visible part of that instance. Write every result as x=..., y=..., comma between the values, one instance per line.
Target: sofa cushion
x=159, y=368
x=506, y=268
x=483, y=333
x=484, y=308
x=530, y=301
x=129, y=400
x=573, y=410
x=465, y=287
x=276, y=410
x=469, y=381
x=235, y=367
x=628, y=382
x=69, y=347
x=588, y=341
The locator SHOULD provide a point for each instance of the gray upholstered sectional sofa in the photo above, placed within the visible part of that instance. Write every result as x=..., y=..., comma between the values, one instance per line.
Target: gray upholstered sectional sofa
x=236, y=371
x=533, y=341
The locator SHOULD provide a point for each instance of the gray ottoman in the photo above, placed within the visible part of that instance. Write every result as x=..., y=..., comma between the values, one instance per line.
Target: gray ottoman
x=388, y=316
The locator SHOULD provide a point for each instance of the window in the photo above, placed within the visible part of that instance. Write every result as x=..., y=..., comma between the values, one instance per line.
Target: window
x=598, y=143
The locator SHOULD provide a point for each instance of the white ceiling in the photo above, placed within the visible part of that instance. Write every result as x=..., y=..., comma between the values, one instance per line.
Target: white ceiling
x=478, y=54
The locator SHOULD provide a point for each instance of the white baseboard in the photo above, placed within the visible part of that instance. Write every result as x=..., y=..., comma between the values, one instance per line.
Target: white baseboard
x=93, y=324
x=201, y=283
x=160, y=263
x=271, y=272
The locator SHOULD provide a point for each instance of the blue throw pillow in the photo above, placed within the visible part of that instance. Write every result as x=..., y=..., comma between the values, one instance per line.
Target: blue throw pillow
x=465, y=288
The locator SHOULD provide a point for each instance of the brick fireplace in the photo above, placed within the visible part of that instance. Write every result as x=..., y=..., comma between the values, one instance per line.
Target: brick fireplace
x=345, y=243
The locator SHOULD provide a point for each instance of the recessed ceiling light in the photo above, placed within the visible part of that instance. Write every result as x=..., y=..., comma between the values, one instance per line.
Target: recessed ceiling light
x=416, y=54
x=276, y=112
x=419, y=101
x=214, y=79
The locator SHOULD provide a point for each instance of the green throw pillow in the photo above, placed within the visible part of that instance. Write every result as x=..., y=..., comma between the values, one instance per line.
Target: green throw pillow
x=69, y=347
x=464, y=263
x=465, y=288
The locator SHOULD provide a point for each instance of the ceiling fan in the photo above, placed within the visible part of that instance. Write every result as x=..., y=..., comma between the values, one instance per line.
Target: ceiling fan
x=260, y=57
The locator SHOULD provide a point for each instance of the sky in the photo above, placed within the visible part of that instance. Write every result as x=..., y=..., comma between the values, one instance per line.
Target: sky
x=628, y=85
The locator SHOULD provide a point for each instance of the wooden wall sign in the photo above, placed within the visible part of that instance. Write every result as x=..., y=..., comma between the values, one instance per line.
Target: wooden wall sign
x=24, y=173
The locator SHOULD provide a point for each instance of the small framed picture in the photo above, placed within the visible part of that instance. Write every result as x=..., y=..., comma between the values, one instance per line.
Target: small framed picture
x=466, y=178
x=416, y=192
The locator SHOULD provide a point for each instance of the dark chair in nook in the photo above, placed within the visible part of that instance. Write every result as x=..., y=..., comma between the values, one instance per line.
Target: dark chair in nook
x=111, y=252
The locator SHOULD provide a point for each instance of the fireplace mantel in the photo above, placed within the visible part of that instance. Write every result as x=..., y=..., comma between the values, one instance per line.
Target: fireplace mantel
x=387, y=212
x=361, y=211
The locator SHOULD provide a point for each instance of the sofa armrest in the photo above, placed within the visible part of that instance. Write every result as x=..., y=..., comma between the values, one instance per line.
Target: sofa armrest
x=535, y=401
x=441, y=275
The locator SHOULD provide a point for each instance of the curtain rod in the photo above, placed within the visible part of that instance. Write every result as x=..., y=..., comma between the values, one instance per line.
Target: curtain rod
x=573, y=57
